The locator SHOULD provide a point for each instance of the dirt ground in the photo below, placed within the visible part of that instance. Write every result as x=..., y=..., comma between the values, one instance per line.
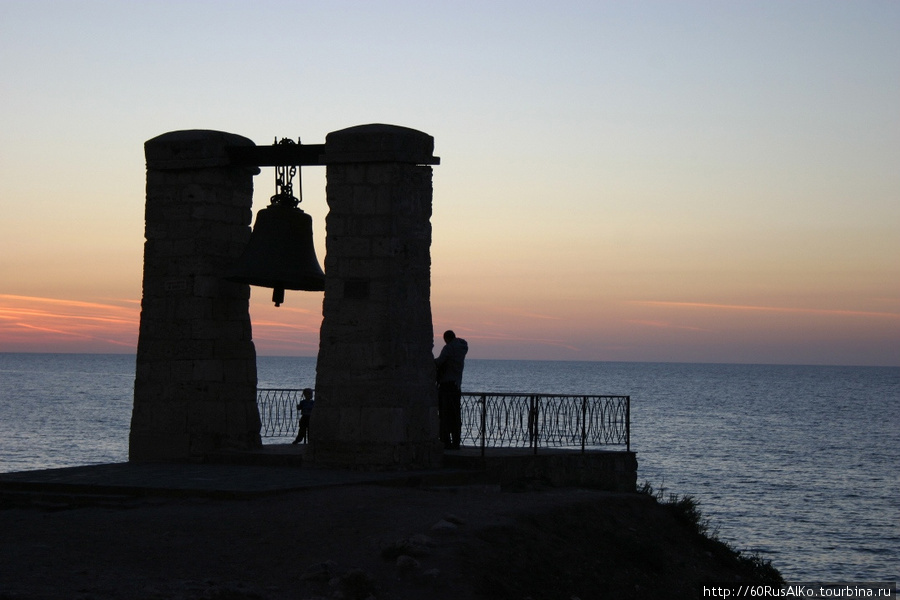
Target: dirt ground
x=359, y=542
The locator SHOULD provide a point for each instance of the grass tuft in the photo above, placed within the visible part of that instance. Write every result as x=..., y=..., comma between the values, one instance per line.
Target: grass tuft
x=686, y=509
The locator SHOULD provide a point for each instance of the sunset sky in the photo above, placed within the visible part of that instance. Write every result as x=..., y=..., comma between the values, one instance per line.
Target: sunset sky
x=628, y=181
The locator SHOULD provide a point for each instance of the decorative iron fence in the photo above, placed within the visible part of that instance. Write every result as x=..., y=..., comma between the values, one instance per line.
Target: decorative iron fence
x=535, y=421
x=495, y=420
x=278, y=412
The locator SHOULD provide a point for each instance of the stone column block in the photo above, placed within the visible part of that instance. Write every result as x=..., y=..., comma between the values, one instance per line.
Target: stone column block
x=195, y=383
x=376, y=404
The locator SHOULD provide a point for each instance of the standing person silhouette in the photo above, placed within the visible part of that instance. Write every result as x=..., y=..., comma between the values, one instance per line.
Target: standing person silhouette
x=305, y=407
x=449, y=365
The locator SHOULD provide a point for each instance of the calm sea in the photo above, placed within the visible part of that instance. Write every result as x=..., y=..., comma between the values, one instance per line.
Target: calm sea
x=797, y=463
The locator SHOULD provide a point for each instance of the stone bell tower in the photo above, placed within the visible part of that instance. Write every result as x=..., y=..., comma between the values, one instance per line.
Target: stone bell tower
x=195, y=383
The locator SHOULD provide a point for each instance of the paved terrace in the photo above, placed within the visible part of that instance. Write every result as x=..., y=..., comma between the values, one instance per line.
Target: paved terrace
x=277, y=469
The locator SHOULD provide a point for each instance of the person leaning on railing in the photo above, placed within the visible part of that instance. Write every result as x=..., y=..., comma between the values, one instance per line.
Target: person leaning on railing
x=449, y=365
x=305, y=407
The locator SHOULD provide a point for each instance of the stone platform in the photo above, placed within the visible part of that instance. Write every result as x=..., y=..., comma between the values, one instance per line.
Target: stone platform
x=595, y=469
x=279, y=469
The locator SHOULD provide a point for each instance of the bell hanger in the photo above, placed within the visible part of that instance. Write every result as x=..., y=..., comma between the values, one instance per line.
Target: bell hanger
x=280, y=253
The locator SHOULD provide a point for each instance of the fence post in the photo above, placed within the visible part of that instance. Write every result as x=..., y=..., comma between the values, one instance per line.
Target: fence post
x=483, y=421
x=533, y=412
x=583, y=421
x=628, y=423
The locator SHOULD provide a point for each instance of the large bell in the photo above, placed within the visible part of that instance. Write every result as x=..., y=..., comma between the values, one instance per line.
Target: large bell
x=280, y=253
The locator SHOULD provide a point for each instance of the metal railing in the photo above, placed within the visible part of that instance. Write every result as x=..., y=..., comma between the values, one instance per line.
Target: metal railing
x=278, y=412
x=499, y=420
x=545, y=420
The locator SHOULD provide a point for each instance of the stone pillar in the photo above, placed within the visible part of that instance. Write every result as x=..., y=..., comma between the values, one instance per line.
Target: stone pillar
x=195, y=383
x=376, y=404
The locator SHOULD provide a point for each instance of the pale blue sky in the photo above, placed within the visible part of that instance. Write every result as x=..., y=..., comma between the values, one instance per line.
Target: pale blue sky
x=605, y=165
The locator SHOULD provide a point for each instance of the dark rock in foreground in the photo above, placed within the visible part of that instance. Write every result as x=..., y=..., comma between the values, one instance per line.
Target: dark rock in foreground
x=365, y=541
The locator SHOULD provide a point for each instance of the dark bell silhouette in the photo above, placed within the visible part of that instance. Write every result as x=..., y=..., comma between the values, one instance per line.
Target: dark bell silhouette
x=280, y=253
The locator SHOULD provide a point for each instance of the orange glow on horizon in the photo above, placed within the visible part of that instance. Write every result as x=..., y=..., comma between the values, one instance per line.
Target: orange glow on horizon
x=34, y=324
x=663, y=325
x=775, y=309
x=602, y=329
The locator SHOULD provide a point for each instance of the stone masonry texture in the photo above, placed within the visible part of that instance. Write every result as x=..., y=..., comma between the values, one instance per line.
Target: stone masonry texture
x=195, y=381
x=376, y=403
